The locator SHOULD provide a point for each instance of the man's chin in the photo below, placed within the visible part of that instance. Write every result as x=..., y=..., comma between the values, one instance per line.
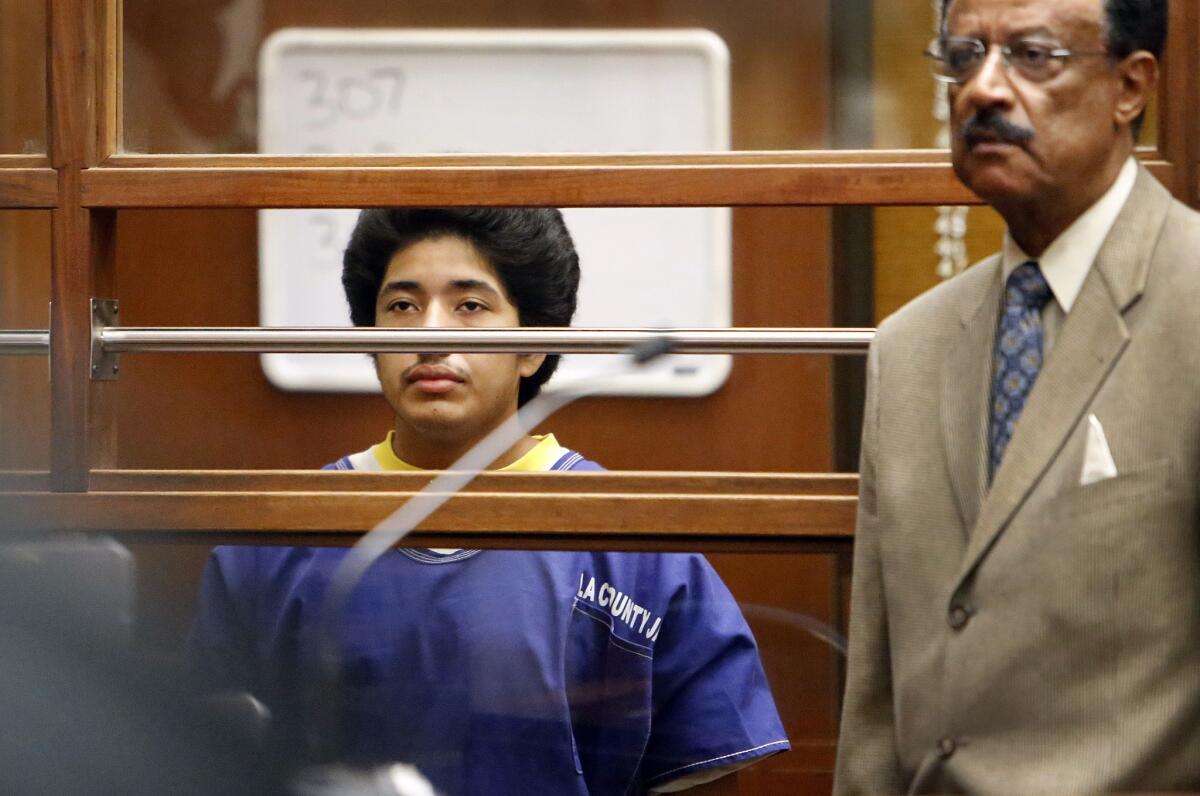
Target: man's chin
x=995, y=181
x=433, y=415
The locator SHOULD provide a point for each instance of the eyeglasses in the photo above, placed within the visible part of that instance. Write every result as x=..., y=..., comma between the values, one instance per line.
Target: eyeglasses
x=955, y=59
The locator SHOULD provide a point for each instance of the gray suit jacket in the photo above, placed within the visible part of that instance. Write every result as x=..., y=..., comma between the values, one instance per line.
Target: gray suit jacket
x=1038, y=636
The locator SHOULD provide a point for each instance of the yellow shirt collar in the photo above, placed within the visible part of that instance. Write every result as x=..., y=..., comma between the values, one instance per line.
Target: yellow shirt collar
x=539, y=458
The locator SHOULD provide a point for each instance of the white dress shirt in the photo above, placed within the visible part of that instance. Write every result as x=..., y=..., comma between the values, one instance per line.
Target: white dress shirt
x=1066, y=261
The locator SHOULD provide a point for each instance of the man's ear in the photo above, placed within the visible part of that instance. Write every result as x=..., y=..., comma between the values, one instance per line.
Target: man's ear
x=1139, y=77
x=528, y=364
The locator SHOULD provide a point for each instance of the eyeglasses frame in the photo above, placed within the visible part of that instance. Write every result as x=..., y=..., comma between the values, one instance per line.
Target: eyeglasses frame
x=1006, y=50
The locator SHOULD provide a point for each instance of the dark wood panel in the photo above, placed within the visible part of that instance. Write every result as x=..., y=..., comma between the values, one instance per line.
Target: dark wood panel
x=783, y=611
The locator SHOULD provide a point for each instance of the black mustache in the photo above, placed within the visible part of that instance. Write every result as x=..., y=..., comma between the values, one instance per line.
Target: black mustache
x=991, y=125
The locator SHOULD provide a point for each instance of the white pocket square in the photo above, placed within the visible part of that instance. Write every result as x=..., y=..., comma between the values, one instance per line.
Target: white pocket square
x=1098, y=462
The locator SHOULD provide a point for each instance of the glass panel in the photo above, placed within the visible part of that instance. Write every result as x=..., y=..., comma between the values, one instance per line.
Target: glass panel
x=585, y=672
x=24, y=304
x=220, y=76
x=220, y=411
x=208, y=411
x=192, y=75
x=22, y=77
x=909, y=247
x=553, y=652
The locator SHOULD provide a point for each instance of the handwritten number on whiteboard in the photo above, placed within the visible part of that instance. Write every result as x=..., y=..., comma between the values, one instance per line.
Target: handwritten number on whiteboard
x=322, y=109
x=393, y=80
x=355, y=97
x=358, y=98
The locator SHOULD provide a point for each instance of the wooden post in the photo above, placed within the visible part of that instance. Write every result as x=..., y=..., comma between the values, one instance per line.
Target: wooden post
x=1179, y=96
x=82, y=418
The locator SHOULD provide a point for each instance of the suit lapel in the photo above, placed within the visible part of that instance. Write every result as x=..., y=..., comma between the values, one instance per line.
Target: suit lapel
x=965, y=391
x=1089, y=345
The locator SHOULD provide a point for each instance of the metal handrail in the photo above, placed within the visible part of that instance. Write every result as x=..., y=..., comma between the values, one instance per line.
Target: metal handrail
x=24, y=343
x=523, y=340
x=119, y=339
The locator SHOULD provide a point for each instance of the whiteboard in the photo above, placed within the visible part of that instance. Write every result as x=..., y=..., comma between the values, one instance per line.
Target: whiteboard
x=345, y=91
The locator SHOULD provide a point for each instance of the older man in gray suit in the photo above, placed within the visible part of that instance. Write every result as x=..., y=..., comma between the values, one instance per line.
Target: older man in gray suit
x=1026, y=601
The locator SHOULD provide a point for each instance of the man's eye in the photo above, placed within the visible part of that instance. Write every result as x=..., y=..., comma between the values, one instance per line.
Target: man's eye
x=401, y=305
x=960, y=58
x=471, y=305
x=1033, y=55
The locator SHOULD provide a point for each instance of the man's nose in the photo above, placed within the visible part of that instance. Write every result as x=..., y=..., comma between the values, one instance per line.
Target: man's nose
x=990, y=86
x=437, y=316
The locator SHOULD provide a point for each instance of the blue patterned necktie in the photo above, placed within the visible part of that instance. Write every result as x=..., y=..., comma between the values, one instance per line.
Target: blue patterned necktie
x=1018, y=355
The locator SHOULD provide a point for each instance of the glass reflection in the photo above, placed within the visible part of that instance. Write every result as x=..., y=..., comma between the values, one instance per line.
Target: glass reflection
x=801, y=75
x=22, y=77
x=793, y=70
x=24, y=302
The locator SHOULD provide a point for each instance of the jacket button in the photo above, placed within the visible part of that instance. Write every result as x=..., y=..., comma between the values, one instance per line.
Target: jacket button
x=946, y=747
x=960, y=615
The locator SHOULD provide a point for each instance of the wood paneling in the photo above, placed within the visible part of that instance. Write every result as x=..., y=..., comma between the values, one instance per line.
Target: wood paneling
x=787, y=614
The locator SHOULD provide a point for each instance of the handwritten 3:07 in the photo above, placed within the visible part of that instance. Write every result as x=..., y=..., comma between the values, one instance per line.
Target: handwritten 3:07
x=354, y=96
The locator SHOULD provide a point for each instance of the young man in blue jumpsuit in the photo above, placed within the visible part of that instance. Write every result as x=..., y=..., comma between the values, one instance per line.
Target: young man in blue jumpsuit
x=492, y=671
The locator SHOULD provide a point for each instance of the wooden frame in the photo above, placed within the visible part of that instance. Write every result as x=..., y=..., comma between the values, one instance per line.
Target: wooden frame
x=737, y=180
x=742, y=512
x=85, y=180
x=27, y=181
